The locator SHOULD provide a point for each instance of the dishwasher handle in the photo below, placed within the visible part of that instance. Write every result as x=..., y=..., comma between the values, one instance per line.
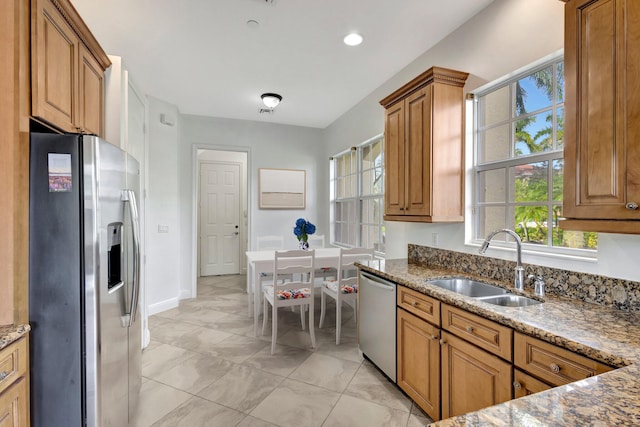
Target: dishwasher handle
x=379, y=282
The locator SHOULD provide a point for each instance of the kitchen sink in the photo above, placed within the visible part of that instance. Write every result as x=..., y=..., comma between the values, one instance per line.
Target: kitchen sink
x=510, y=300
x=468, y=287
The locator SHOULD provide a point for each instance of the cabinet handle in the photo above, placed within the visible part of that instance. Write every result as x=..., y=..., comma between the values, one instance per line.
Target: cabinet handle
x=415, y=303
x=470, y=329
x=443, y=341
x=554, y=368
x=401, y=209
x=517, y=385
x=632, y=206
x=3, y=375
x=433, y=337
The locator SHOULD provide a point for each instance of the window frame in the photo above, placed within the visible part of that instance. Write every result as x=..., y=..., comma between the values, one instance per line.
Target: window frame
x=359, y=198
x=473, y=237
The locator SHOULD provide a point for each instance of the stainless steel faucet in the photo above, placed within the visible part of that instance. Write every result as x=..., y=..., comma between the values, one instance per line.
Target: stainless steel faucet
x=518, y=281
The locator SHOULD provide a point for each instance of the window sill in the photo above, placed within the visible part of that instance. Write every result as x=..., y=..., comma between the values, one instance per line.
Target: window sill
x=583, y=255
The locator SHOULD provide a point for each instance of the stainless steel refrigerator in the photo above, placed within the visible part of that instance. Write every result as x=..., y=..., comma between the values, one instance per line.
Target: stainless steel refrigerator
x=84, y=271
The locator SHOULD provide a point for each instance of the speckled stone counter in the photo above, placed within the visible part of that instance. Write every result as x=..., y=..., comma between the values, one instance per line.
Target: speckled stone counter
x=602, y=333
x=11, y=333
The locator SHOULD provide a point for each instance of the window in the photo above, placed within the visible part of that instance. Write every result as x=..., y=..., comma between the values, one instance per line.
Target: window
x=357, y=196
x=519, y=160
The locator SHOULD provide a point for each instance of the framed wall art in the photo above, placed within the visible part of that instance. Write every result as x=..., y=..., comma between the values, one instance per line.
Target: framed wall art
x=282, y=188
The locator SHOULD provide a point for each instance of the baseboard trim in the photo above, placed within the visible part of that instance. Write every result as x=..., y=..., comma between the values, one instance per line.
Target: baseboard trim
x=161, y=306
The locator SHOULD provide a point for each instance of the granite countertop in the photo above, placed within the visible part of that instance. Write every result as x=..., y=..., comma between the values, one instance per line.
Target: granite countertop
x=12, y=333
x=605, y=334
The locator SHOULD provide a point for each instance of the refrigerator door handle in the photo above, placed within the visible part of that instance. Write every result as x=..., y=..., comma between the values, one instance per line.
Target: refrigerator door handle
x=130, y=197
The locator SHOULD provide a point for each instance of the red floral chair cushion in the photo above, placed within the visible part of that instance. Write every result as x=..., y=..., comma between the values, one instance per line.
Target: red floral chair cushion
x=290, y=293
x=345, y=289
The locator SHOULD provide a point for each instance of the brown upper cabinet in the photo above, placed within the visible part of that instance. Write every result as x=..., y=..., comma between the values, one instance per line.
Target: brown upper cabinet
x=602, y=126
x=68, y=68
x=424, y=148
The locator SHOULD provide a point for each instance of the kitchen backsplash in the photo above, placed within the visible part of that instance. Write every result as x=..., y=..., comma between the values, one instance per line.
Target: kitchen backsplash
x=619, y=293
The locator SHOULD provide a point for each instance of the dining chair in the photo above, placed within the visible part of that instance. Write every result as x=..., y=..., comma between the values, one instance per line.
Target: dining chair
x=267, y=243
x=317, y=241
x=344, y=288
x=299, y=265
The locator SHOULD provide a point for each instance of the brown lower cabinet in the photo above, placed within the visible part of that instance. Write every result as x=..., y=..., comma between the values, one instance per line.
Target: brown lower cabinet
x=418, y=372
x=451, y=361
x=472, y=378
x=445, y=375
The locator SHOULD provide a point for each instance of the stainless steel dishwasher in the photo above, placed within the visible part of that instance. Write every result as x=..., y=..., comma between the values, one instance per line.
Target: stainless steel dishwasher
x=377, y=322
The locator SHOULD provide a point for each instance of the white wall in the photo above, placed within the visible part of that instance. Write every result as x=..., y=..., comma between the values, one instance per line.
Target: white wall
x=163, y=209
x=269, y=146
x=506, y=36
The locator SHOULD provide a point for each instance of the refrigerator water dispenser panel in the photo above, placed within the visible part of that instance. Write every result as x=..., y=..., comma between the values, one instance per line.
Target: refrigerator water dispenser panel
x=115, y=256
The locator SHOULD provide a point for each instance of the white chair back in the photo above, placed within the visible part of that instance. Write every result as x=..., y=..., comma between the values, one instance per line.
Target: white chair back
x=347, y=271
x=297, y=265
x=266, y=243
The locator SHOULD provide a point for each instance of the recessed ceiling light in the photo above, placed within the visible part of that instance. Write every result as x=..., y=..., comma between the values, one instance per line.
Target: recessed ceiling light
x=352, y=39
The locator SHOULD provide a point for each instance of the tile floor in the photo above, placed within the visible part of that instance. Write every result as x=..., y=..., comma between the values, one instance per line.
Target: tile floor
x=204, y=367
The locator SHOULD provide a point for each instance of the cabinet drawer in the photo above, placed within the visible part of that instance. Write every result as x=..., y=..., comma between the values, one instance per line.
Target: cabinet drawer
x=553, y=364
x=421, y=305
x=484, y=333
x=13, y=363
x=524, y=384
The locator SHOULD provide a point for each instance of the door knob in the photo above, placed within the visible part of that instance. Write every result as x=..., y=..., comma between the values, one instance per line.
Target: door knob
x=517, y=385
x=632, y=206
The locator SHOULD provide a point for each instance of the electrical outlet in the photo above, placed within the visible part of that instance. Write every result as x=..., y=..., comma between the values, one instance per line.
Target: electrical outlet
x=163, y=228
x=435, y=240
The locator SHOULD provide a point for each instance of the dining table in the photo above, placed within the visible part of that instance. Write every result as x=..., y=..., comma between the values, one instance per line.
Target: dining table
x=263, y=262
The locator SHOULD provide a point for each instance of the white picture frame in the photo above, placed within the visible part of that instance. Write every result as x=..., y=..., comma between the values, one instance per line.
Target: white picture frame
x=282, y=188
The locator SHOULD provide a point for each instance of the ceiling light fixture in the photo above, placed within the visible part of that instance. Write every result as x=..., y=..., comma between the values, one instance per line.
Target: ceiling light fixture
x=271, y=100
x=352, y=39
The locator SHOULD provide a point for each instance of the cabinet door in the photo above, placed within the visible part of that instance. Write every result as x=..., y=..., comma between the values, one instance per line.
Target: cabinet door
x=419, y=362
x=90, y=94
x=418, y=152
x=602, y=106
x=54, y=68
x=13, y=405
x=394, y=158
x=471, y=378
x=524, y=384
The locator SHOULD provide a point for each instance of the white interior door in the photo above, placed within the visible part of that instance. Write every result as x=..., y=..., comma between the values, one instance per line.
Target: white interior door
x=219, y=218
